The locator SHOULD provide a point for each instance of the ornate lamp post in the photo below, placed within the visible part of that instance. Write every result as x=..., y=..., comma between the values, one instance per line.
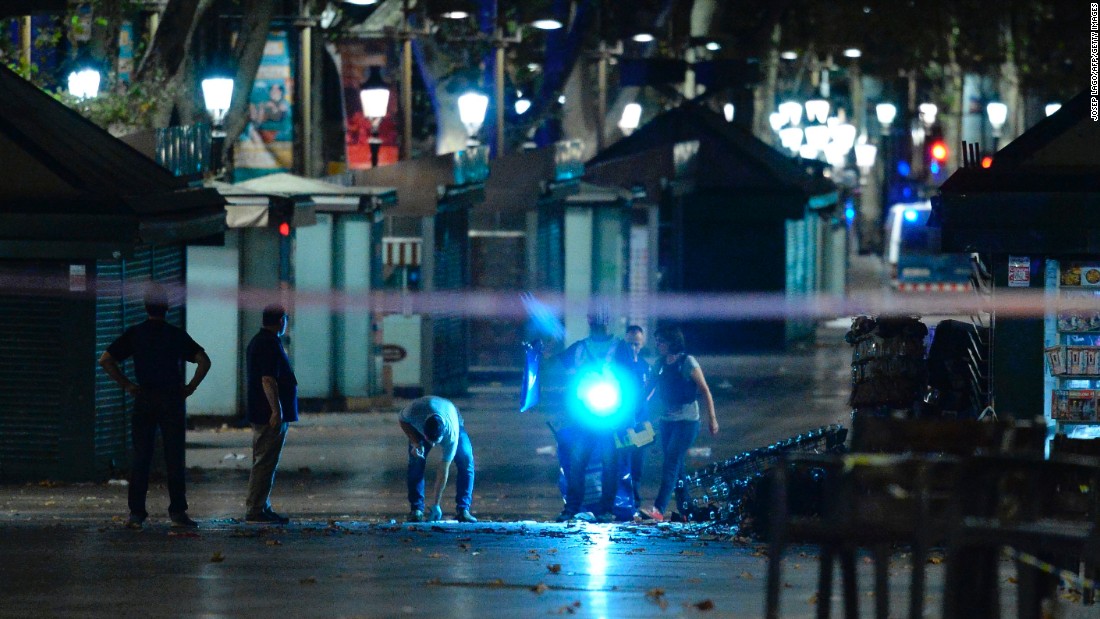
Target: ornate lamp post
x=84, y=83
x=471, y=109
x=998, y=114
x=374, y=95
x=632, y=117
x=217, y=94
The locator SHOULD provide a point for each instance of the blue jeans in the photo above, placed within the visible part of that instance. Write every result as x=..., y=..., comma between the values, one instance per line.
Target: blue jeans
x=464, y=461
x=676, y=438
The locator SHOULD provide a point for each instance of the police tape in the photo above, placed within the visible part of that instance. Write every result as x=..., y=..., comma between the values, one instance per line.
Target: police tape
x=1029, y=559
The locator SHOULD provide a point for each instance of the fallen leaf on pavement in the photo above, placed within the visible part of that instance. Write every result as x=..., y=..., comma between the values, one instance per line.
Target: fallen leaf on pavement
x=554, y=568
x=273, y=542
x=746, y=576
x=308, y=580
x=704, y=605
x=435, y=555
x=540, y=588
x=217, y=557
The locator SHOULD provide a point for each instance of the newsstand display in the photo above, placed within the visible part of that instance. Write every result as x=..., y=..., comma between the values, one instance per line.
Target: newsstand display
x=1072, y=353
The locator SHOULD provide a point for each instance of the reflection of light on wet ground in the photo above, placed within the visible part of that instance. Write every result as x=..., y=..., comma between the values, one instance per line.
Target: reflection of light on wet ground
x=596, y=556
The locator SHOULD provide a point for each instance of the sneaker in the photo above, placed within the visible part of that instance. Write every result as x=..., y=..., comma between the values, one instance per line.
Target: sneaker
x=565, y=516
x=182, y=521
x=585, y=517
x=416, y=515
x=266, y=517
x=135, y=521
x=606, y=517
x=465, y=516
x=653, y=514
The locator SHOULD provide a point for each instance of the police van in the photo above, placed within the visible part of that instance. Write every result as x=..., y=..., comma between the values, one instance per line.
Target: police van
x=913, y=256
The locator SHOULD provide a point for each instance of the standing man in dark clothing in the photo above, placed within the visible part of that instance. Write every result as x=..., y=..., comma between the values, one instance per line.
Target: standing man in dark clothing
x=272, y=404
x=159, y=350
x=596, y=352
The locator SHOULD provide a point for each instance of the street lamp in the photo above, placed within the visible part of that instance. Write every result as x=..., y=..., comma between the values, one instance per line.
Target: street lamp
x=471, y=110
x=728, y=111
x=791, y=111
x=374, y=96
x=84, y=83
x=217, y=94
x=885, y=112
x=547, y=24
x=865, y=156
x=791, y=138
x=998, y=114
x=817, y=110
x=927, y=113
x=631, y=118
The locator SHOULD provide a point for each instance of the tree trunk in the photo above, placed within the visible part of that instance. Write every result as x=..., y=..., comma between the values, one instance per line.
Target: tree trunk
x=172, y=40
x=248, y=51
x=104, y=39
x=952, y=114
x=1009, y=84
x=764, y=94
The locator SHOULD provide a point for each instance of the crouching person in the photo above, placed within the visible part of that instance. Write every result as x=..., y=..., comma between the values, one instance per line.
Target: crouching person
x=428, y=422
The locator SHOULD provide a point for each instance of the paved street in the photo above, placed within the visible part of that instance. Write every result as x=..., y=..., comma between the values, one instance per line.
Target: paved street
x=348, y=552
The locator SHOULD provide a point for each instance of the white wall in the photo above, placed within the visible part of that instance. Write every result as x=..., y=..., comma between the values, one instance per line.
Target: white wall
x=312, y=315
x=212, y=319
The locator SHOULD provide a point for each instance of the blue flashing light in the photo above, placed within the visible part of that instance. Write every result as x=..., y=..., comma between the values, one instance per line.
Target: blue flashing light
x=849, y=213
x=934, y=167
x=910, y=215
x=601, y=399
x=600, y=396
x=907, y=192
x=903, y=168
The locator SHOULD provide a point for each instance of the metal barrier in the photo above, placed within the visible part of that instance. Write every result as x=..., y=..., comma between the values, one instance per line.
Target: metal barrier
x=720, y=492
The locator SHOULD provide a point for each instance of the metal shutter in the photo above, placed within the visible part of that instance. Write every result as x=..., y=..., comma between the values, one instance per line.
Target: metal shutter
x=119, y=305
x=33, y=334
x=450, y=337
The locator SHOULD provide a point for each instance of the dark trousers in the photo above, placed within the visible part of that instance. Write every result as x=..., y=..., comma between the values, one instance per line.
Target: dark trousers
x=154, y=410
x=587, y=441
x=464, y=462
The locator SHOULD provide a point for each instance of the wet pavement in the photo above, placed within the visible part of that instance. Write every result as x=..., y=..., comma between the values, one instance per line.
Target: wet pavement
x=65, y=553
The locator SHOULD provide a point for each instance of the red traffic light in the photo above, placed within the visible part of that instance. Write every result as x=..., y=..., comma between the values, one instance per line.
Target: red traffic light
x=284, y=229
x=987, y=161
x=939, y=151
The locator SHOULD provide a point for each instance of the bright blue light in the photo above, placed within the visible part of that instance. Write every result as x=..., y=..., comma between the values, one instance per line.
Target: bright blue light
x=601, y=396
x=910, y=215
x=907, y=192
x=849, y=213
x=934, y=167
x=903, y=168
